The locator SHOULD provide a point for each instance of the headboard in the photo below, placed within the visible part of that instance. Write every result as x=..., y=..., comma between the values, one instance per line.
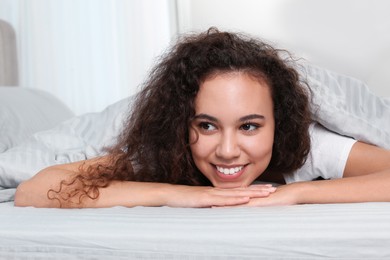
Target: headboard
x=8, y=55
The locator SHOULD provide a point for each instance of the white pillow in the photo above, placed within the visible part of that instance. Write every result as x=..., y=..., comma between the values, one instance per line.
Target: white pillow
x=24, y=111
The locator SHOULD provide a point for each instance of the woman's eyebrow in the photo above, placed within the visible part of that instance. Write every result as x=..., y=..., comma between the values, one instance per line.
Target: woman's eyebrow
x=251, y=117
x=242, y=119
x=207, y=117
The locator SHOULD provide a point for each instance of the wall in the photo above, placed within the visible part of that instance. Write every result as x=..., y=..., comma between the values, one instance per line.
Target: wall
x=89, y=53
x=348, y=36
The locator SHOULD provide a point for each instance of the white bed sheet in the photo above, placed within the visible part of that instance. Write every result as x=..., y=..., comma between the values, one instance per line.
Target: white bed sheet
x=358, y=231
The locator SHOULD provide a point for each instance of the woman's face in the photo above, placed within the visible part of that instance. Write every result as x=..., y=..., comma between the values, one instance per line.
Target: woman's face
x=234, y=123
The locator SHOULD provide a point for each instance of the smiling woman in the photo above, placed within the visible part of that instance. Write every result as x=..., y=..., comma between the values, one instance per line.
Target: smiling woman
x=234, y=114
x=219, y=112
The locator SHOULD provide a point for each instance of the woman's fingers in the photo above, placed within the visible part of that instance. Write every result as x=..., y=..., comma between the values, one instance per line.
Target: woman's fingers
x=195, y=196
x=251, y=191
x=285, y=195
x=238, y=196
x=228, y=201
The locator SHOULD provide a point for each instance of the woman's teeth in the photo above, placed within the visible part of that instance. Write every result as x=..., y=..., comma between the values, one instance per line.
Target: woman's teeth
x=229, y=171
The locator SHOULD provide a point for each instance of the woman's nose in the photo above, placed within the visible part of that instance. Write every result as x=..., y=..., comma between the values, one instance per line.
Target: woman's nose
x=228, y=147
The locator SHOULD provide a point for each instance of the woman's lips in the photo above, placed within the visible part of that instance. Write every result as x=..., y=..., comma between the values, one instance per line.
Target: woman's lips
x=229, y=172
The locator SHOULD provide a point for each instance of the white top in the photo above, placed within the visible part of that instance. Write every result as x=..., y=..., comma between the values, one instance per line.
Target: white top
x=327, y=158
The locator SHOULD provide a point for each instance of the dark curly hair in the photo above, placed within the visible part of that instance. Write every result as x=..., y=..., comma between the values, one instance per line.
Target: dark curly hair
x=154, y=146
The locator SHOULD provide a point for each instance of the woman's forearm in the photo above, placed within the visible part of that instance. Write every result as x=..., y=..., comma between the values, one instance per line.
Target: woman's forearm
x=34, y=192
x=366, y=188
x=42, y=191
x=373, y=187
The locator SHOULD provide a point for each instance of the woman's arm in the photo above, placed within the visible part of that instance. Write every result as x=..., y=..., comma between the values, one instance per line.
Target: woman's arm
x=34, y=192
x=366, y=179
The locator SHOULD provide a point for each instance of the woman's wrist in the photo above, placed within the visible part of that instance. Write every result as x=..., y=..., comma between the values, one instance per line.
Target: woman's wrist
x=301, y=192
x=132, y=194
x=164, y=194
x=316, y=192
x=157, y=194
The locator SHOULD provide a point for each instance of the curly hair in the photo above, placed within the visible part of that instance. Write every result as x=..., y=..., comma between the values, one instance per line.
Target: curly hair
x=154, y=145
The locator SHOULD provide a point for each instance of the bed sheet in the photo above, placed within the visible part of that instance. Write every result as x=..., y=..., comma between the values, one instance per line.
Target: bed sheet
x=358, y=231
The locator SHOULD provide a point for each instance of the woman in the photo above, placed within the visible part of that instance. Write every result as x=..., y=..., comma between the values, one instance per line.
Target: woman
x=219, y=112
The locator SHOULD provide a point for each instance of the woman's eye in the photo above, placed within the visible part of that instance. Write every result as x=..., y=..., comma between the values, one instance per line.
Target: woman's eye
x=207, y=126
x=249, y=127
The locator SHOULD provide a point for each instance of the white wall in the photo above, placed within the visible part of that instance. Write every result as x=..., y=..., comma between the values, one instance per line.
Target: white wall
x=89, y=53
x=348, y=36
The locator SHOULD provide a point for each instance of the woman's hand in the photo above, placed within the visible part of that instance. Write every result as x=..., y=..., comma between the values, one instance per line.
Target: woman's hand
x=284, y=195
x=200, y=196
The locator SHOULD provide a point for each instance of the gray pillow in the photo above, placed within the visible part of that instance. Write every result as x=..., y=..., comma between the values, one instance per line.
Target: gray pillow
x=78, y=138
x=24, y=111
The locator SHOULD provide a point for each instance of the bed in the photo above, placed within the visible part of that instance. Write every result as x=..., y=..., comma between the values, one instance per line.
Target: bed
x=38, y=130
x=358, y=231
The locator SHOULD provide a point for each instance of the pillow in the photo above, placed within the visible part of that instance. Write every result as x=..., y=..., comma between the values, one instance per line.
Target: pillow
x=347, y=106
x=78, y=138
x=24, y=111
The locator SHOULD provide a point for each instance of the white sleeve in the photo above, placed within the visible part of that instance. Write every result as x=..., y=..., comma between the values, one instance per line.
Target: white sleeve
x=327, y=158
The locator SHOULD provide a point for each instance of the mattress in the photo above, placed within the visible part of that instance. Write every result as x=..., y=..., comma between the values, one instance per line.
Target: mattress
x=358, y=231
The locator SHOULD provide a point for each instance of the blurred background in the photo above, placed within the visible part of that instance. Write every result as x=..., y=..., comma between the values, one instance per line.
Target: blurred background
x=92, y=53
